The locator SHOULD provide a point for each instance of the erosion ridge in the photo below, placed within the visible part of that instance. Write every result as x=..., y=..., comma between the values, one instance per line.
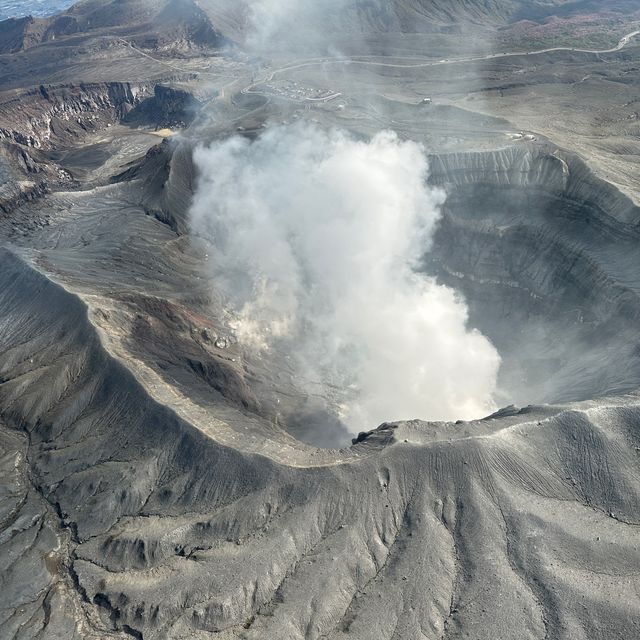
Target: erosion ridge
x=179, y=24
x=126, y=526
x=578, y=282
x=162, y=480
x=166, y=510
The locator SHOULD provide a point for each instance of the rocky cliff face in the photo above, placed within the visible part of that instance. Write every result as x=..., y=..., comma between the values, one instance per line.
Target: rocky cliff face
x=169, y=107
x=35, y=122
x=38, y=117
x=131, y=521
x=151, y=482
x=543, y=251
x=176, y=25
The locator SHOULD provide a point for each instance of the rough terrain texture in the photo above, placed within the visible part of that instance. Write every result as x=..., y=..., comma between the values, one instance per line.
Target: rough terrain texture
x=154, y=480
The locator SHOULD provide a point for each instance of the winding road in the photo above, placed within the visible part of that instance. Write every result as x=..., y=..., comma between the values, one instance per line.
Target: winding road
x=624, y=41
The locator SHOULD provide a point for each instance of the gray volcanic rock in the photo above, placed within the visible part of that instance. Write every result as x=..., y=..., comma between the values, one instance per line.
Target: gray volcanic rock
x=20, y=33
x=421, y=528
x=22, y=177
x=49, y=115
x=544, y=252
x=159, y=479
x=169, y=107
x=167, y=177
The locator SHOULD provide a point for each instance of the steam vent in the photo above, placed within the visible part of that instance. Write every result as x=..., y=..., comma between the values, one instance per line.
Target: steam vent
x=319, y=320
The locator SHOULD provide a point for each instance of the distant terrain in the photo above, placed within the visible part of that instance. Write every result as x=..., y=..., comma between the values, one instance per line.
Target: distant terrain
x=19, y=8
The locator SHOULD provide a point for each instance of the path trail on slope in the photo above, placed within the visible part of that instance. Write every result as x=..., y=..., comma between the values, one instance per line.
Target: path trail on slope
x=624, y=41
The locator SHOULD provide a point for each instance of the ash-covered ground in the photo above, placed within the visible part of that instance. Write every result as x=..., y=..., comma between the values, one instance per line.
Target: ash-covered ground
x=319, y=320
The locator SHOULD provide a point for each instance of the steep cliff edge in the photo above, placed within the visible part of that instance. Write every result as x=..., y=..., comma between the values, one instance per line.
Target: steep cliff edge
x=157, y=479
x=132, y=523
x=543, y=250
x=178, y=25
x=63, y=114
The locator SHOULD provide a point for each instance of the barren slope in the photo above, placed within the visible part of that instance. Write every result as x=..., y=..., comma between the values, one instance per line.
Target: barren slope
x=157, y=478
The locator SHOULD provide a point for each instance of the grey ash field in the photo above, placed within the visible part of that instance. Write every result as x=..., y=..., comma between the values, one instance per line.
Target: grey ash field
x=147, y=490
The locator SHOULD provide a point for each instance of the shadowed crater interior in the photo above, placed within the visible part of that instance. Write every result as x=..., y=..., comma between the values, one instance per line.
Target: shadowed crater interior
x=541, y=249
x=544, y=253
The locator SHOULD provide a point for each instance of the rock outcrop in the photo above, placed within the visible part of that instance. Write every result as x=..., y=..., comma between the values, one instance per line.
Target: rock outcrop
x=63, y=114
x=156, y=476
x=129, y=520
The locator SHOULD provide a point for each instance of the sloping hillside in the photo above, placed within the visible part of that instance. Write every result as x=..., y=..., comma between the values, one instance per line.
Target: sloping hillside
x=148, y=24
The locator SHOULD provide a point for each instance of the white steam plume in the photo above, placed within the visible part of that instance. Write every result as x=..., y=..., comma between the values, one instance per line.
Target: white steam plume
x=298, y=26
x=317, y=236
